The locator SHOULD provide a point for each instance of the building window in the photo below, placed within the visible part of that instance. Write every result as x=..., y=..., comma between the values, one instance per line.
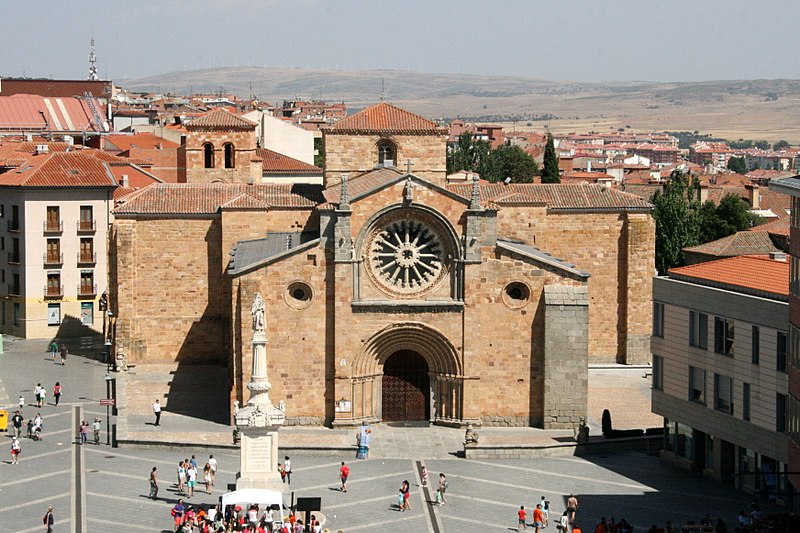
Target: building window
x=13, y=224
x=780, y=412
x=53, y=284
x=781, y=351
x=13, y=255
x=754, y=345
x=723, y=335
x=86, y=254
x=53, y=254
x=795, y=214
x=697, y=385
x=658, y=372
x=208, y=155
x=230, y=155
x=53, y=221
x=658, y=319
x=745, y=401
x=698, y=330
x=15, y=285
x=17, y=314
x=2, y=243
x=794, y=345
x=794, y=273
x=87, y=283
x=723, y=394
x=53, y=314
x=86, y=222
x=386, y=153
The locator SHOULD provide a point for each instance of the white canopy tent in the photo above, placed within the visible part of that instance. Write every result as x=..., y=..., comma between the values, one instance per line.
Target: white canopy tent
x=262, y=497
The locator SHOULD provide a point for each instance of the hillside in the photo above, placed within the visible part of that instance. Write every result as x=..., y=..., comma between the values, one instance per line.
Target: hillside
x=755, y=109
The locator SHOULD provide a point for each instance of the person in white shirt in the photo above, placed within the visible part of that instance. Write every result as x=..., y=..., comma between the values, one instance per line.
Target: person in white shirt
x=213, y=463
x=157, y=412
x=191, y=480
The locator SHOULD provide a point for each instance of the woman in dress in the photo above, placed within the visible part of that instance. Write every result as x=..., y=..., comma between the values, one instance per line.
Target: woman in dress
x=207, y=477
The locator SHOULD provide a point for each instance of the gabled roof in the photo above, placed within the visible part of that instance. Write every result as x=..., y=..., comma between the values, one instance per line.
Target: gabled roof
x=34, y=113
x=754, y=275
x=275, y=163
x=541, y=257
x=386, y=118
x=256, y=252
x=740, y=243
x=209, y=198
x=776, y=227
x=221, y=118
x=144, y=140
x=59, y=169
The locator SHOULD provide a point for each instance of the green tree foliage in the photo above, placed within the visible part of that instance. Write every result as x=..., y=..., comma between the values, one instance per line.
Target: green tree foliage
x=550, y=172
x=762, y=145
x=508, y=161
x=468, y=154
x=675, y=214
x=738, y=165
x=780, y=145
x=735, y=212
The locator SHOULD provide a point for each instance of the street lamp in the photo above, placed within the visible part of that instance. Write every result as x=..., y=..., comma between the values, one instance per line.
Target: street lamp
x=108, y=379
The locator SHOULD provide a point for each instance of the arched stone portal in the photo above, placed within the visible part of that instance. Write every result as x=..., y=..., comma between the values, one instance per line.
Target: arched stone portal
x=397, y=344
x=405, y=391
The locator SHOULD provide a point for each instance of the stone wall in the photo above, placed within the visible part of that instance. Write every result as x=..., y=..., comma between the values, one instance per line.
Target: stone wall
x=243, y=171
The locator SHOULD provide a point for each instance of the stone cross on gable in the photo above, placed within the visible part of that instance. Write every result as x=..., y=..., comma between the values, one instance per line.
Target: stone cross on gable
x=409, y=164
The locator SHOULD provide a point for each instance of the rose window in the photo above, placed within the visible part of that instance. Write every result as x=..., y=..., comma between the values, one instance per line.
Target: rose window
x=406, y=255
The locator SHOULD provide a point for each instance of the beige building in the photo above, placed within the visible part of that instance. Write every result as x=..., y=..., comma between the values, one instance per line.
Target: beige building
x=720, y=369
x=390, y=295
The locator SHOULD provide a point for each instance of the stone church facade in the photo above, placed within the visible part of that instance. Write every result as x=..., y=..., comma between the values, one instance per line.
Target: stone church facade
x=390, y=295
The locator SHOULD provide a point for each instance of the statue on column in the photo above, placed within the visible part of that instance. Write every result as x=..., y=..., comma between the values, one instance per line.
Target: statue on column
x=257, y=310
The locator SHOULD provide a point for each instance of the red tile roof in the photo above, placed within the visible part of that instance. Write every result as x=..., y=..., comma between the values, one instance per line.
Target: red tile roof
x=32, y=113
x=740, y=243
x=747, y=272
x=201, y=198
x=362, y=184
x=60, y=169
x=221, y=118
x=282, y=164
x=141, y=140
x=776, y=227
x=385, y=117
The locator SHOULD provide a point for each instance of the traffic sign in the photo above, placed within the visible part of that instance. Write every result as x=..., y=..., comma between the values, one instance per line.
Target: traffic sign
x=107, y=401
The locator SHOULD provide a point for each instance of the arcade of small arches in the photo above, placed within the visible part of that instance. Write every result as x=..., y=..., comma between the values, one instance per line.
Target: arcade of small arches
x=228, y=153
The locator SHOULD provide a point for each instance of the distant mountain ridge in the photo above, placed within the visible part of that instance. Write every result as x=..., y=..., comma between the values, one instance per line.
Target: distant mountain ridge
x=762, y=108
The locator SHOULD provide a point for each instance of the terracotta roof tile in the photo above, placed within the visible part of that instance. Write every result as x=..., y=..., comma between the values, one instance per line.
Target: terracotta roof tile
x=776, y=227
x=279, y=163
x=221, y=118
x=385, y=117
x=60, y=169
x=740, y=243
x=747, y=272
x=208, y=198
x=144, y=140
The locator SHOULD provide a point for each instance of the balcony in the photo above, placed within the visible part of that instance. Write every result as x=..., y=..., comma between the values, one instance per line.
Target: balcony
x=53, y=291
x=52, y=226
x=13, y=257
x=13, y=225
x=87, y=258
x=86, y=226
x=51, y=259
x=84, y=289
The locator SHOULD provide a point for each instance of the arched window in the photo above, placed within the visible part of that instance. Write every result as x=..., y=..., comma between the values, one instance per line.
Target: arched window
x=208, y=155
x=386, y=153
x=230, y=155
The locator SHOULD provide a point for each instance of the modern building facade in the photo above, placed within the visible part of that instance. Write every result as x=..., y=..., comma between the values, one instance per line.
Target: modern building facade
x=719, y=344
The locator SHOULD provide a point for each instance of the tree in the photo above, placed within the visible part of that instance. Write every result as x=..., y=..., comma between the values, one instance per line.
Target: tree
x=780, y=145
x=550, y=172
x=735, y=213
x=677, y=224
x=468, y=154
x=738, y=165
x=508, y=161
x=762, y=145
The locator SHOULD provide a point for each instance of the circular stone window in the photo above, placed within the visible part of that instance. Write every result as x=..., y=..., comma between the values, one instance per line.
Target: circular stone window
x=407, y=254
x=516, y=294
x=298, y=295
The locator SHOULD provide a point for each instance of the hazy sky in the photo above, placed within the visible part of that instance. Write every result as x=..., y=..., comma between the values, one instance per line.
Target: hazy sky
x=664, y=40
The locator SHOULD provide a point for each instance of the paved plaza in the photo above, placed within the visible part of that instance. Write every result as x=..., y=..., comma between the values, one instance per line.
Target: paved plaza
x=97, y=488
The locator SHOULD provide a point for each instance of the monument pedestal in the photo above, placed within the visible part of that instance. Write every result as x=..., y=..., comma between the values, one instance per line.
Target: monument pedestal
x=259, y=460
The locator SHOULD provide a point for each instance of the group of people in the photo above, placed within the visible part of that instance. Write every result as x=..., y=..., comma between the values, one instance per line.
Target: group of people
x=83, y=431
x=62, y=351
x=40, y=393
x=540, y=516
x=34, y=426
x=187, y=519
x=187, y=476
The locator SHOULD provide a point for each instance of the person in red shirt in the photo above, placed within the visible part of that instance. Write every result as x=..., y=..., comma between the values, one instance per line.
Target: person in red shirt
x=344, y=472
x=538, y=517
x=522, y=515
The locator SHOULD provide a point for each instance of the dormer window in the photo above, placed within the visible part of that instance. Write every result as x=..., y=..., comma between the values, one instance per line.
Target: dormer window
x=230, y=156
x=208, y=155
x=386, y=153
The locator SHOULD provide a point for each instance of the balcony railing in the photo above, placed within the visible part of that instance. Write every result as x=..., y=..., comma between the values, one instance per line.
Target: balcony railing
x=51, y=291
x=50, y=259
x=86, y=258
x=86, y=226
x=13, y=225
x=53, y=226
x=13, y=257
x=87, y=290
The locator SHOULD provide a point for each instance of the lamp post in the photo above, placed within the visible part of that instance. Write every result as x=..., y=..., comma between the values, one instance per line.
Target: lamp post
x=108, y=379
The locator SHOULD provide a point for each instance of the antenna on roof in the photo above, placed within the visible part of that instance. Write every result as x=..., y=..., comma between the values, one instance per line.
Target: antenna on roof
x=383, y=90
x=92, y=63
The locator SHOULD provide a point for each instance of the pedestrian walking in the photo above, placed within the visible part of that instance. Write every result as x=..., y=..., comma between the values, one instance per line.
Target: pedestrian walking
x=207, y=477
x=442, y=488
x=48, y=520
x=177, y=514
x=213, y=463
x=37, y=392
x=21, y=402
x=282, y=472
x=16, y=423
x=191, y=480
x=30, y=428
x=546, y=510
x=181, y=476
x=64, y=353
x=96, y=429
x=538, y=517
x=572, y=508
x=406, y=488
x=193, y=461
x=287, y=466
x=344, y=473
x=521, y=517
x=15, y=449
x=157, y=412
x=43, y=396
x=84, y=431
x=424, y=476
x=53, y=350
x=153, y=484
x=57, y=392
x=37, y=427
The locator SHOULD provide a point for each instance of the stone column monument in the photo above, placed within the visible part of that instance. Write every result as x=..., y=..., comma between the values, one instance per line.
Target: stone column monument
x=258, y=421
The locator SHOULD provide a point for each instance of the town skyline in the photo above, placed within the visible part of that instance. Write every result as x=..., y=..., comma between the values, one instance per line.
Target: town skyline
x=623, y=41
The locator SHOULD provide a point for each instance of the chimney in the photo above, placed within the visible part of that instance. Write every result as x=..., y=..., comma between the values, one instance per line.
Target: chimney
x=778, y=256
x=42, y=149
x=754, y=196
x=123, y=181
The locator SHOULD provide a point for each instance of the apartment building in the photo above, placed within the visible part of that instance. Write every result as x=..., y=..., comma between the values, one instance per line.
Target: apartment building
x=719, y=344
